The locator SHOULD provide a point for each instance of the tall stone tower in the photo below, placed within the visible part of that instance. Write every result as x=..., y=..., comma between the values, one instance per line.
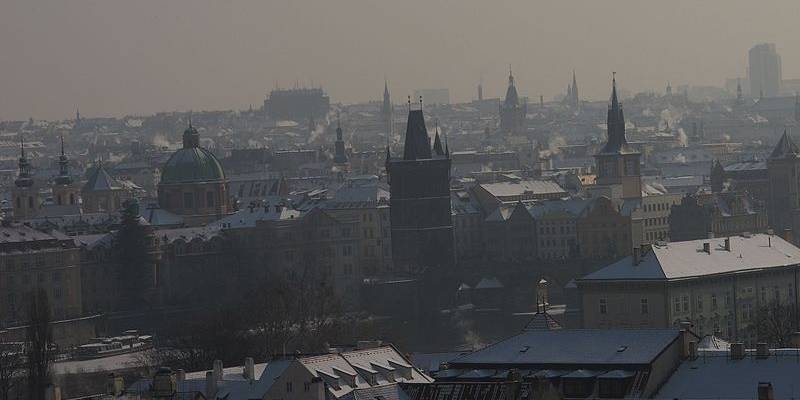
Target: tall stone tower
x=421, y=223
x=65, y=192
x=783, y=167
x=27, y=200
x=617, y=161
x=512, y=112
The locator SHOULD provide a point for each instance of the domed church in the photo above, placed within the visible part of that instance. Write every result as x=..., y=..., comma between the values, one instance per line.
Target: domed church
x=193, y=183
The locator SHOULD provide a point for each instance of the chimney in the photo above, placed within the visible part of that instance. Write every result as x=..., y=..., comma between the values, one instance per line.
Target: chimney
x=637, y=255
x=180, y=375
x=707, y=247
x=52, y=392
x=368, y=344
x=115, y=384
x=737, y=351
x=692, y=350
x=217, y=370
x=211, y=385
x=762, y=351
x=765, y=391
x=727, y=244
x=795, y=340
x=788, y=236
x=164, y=384
x=249, y=369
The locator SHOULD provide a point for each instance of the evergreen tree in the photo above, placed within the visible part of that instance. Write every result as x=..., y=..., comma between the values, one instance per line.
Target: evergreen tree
x=134, y=260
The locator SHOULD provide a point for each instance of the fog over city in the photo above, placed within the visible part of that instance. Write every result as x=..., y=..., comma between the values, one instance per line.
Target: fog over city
x=138, y=57
x=406, y=200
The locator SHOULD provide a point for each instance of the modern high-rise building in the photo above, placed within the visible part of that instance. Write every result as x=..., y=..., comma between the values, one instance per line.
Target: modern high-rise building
x=765, y=70
x=419, y=201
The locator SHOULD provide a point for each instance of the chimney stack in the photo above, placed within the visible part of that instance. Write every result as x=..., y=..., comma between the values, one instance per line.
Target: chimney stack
x=795, y=340
x=765, y=391
x=707, y=247
x=762, y=351
x=737, y=351
x=164, y=384
x=115, y=384
x=249, y=369
x=637, y=255
x=211, y=385
x=52, y=392
x=217, y=370
x=728, y=244
x=180, y=375
x=692, y=350
x=788, y=236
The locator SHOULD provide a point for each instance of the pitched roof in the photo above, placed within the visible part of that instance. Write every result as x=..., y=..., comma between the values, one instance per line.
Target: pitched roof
x=542, y=321
x=573, y=346
x=100, y=180
x=678, y=260
x=786, y=148
x=715, y=375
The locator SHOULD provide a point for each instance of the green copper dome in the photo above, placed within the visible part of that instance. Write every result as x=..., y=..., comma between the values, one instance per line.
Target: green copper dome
x=192, y=163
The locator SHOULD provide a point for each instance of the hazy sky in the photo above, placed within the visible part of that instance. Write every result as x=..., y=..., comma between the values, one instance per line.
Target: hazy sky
x=112, y=57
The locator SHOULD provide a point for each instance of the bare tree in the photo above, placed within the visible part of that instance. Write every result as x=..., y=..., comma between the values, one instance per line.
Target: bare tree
x=37, y=347
x=776, y=323
x=11, y=368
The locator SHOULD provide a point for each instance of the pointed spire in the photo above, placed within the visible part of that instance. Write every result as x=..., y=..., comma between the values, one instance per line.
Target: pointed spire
x=438, y=149
x=24, y=175
x=615, y=124
x=786, y=148
x=63, y=177
x=510, y=76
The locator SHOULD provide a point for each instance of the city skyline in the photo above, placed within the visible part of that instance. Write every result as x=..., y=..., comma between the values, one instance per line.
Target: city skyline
x=111, y=59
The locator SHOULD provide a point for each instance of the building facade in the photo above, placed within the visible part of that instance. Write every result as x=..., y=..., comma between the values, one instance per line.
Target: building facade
x=718, y=285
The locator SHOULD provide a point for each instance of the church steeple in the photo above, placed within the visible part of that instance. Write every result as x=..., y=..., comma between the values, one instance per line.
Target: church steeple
x=387, y=112
x=438, y=148
x=24, y=178
x=575, y=96
x=615, y=123
x=63, y=177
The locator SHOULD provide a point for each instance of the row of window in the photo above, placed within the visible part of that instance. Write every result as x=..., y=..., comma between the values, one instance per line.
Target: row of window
x=644, y=306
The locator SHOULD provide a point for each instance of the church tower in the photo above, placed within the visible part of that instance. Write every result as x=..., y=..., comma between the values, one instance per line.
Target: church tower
x=26, y=197
x=387, y=111
x=65, y=192
x=575, y=100
x=617, y=162
x=783, y=167
x=339, y=156
x=512, y=112
x=419, y=202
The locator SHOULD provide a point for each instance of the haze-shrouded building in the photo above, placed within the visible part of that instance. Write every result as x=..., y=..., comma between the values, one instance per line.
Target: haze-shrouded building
x=297, y=104
x=765, y=70
x=512, y=111
x=420, y=210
